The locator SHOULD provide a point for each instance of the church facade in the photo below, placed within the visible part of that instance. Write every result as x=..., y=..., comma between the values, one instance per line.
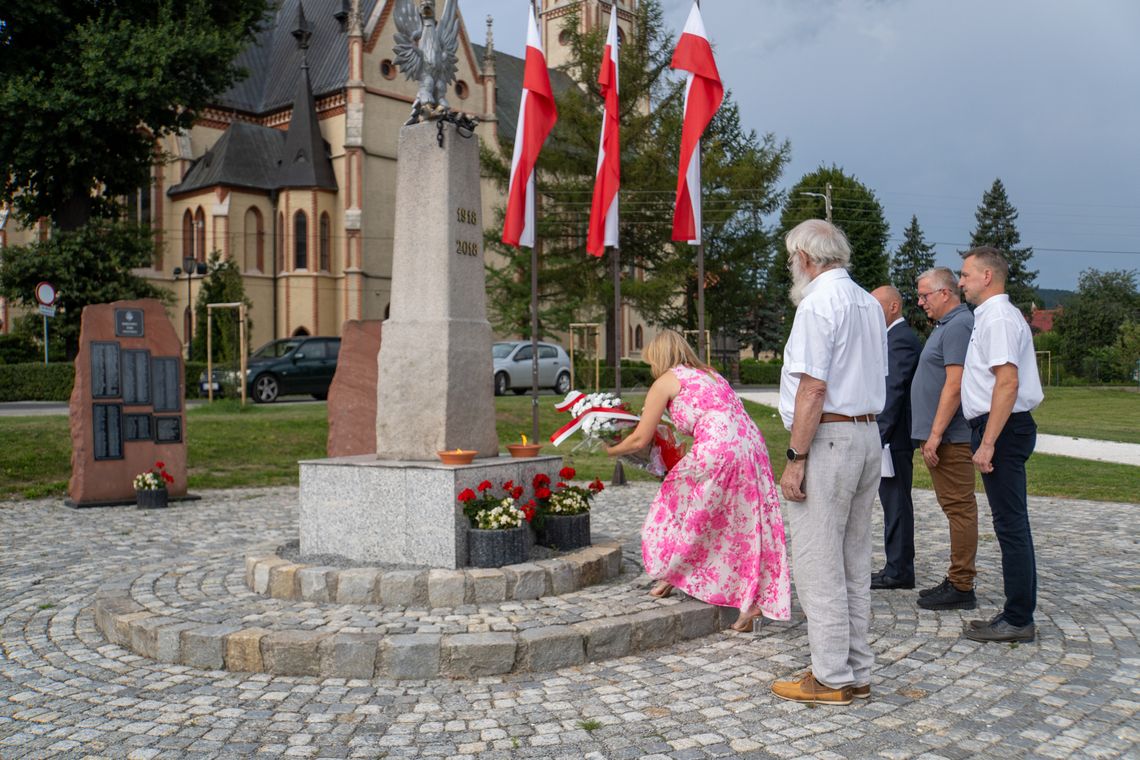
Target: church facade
x=292, y=172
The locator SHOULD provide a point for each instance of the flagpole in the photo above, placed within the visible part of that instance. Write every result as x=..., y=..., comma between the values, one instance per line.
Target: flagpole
x=534, y=253
x=700, y=259
x=615, y=259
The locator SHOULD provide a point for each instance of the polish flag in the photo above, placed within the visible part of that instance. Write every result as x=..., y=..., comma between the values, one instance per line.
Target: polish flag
x=604, y=210
x=703, y=96
x=537, y=114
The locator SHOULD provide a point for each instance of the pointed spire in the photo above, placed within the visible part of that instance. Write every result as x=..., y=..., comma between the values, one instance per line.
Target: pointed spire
x=305, y=162
x=490, y=50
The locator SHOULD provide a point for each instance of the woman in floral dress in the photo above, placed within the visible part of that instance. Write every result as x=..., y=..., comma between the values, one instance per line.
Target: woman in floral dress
x=714, y=530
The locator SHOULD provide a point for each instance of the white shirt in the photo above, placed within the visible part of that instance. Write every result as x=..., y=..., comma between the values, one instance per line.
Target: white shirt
x=1001, y=336
x=838, y=336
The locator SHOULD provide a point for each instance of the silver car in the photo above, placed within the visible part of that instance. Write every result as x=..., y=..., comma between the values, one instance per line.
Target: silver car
x=511, y=366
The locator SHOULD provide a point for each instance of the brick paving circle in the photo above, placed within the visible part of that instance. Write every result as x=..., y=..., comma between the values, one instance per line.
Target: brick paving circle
x=66, y=692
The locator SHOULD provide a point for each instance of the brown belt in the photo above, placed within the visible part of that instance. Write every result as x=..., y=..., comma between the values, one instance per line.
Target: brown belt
x=833, y=417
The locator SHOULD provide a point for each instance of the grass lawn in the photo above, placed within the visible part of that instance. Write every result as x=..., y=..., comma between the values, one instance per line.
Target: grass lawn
x=260, y=445
x=1108, y=414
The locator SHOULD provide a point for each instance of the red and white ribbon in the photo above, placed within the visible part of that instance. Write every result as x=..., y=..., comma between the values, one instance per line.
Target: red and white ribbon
x=572, y=398
x=595, y=412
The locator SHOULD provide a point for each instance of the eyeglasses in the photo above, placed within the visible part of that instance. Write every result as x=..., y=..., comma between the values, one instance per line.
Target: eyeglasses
x=923, y=296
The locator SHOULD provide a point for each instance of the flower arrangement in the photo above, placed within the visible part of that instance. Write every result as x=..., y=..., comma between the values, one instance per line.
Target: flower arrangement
x=599, y=417
x=154, y=479
x=564, y=499
x=487, y=511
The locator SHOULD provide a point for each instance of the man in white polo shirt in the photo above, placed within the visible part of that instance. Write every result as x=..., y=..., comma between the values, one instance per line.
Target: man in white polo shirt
x=832, y=385
x=1000, y=387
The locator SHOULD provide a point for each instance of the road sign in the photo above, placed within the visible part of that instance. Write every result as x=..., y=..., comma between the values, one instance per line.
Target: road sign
x=45, y=294
x=47, y=311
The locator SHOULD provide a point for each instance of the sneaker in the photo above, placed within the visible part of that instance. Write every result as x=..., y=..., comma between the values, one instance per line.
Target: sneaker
x=1002, y=631
x=949, y=598
x=974, y=624
x=945, y=584
x=810, y=691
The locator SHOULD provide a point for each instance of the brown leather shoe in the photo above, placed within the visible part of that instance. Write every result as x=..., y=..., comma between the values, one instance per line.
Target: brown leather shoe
x=861, y=692
x=811, y=691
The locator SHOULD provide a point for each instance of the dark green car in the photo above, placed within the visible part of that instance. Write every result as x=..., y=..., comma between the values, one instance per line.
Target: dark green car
x=293, y=365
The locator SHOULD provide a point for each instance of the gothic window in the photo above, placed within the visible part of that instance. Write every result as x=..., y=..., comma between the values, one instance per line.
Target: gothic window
x=638, y=337
x=300, y=240
x=187, y=235
x=281, y=242
x=200, y=235
x=254, y=241
x=325, y=242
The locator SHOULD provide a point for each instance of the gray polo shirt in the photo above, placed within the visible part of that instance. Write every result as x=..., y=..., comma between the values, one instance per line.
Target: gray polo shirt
x=946, y=345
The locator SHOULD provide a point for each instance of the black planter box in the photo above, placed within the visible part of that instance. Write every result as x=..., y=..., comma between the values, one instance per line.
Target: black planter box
x=565, y=531
x=495, y=548
x=151, y=499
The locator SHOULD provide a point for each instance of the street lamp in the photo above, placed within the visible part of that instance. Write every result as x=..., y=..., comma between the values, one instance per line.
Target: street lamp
x=190, y=267
x=826, y=200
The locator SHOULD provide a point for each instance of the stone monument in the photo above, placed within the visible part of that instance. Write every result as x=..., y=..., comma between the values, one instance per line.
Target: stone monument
x=352, y=395
x=126, y=408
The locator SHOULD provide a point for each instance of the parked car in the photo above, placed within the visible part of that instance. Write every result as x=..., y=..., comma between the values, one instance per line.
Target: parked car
x=511, y=367
x=282, y=367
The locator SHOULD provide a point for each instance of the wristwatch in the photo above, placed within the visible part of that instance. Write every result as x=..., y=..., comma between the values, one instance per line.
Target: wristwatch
x=795, y=456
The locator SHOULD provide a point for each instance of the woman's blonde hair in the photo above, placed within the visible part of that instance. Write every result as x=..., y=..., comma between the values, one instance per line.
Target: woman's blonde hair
x=668, y=350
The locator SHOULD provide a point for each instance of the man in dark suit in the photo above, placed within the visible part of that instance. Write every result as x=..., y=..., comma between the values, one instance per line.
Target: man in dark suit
x=903, y=348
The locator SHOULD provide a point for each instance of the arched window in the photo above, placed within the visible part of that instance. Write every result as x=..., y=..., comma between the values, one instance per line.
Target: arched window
x=325, y=242
x=254, y=239
x=638, y=337
x=200, y=235
x=281, y=242
x=300, y=332
x=187, y=235
x=300, y=240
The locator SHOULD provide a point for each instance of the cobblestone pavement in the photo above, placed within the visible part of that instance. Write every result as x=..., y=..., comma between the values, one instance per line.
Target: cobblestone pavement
x=66, y=692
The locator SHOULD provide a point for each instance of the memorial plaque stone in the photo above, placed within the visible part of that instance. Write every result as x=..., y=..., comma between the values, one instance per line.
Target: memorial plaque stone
x=105, y=370
x=108, y=431
x=138, y=427
x=129, y=323
x=136, y=378
x=165, y=371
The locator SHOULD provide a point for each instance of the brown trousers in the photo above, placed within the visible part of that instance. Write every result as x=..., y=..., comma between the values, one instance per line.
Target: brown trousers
x=954, y=487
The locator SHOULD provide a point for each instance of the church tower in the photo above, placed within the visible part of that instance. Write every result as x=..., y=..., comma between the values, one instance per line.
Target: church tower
x=592, y=14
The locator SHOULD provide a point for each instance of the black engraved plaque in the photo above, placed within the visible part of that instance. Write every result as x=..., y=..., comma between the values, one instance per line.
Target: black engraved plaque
x=167, y=429
x=129, y=323
x=104, y=370
x=108, y=430
x=138, y=427
x=136, y=378
x=165, y=383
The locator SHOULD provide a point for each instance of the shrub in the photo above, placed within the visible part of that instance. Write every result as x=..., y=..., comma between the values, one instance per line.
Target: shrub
x=36, y=382
x=753, y=372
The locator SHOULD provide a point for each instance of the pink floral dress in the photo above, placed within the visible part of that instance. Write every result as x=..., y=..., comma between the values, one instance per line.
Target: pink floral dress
x=714, y=531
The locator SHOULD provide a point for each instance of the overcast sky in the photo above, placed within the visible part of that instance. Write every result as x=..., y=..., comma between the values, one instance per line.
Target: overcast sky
x=926, y=102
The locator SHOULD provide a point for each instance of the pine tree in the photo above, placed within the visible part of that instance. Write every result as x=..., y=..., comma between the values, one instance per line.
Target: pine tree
x=997, y=226
x=739, y=174
x=913, y=257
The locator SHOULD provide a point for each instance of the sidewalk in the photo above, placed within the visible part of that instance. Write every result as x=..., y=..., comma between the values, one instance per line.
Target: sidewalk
x=1061, y=445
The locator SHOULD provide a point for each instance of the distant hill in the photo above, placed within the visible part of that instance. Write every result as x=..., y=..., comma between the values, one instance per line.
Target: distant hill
x=1051, y=298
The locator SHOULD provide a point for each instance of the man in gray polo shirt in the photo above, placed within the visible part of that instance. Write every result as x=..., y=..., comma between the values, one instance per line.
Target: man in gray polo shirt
x=943, y=435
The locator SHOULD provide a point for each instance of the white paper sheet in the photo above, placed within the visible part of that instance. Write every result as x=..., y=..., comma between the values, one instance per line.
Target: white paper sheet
x=888, y=469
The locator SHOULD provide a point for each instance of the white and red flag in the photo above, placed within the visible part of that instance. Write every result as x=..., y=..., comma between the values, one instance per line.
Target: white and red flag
x=703, y=96
x=604, y=210
x=537, y=114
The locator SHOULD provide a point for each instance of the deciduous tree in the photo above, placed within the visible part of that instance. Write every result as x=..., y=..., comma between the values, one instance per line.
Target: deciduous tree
x=1092, y=319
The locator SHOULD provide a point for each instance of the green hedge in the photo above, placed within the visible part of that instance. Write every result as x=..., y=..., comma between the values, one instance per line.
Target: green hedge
x=53, y=382
x=754, y=372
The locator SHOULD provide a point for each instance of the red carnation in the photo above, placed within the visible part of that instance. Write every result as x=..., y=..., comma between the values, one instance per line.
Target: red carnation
x=528, y=510
x=160, y=465
x=541, y=479
x=484, y=485
x=168, y=477
x=517, y=492
x=542, y=492
x=509, y=485
x=560, y=484
x=597, y=486
x=466, y=495
x=567, y=473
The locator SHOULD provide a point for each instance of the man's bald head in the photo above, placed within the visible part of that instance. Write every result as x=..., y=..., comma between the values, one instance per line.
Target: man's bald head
x=890, y=299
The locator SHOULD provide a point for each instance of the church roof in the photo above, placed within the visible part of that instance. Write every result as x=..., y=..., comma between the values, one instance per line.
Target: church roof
x=305, y=162
x=509, y=71
x=272, y=60
x=246, y=155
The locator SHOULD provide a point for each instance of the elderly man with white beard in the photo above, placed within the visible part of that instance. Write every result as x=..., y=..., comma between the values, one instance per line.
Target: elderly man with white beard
x=832, y=385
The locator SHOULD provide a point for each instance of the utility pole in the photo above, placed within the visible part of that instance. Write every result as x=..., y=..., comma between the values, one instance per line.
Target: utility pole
x=826, y=200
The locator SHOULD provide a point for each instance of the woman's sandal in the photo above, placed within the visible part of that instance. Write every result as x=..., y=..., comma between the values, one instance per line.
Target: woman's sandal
x=744, y=623
x=661, y=590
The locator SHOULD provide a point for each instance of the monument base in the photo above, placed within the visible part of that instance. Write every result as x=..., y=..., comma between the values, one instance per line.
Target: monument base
x=376, y=511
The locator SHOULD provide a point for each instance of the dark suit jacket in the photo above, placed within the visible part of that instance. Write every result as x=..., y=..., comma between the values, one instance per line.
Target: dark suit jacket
x=903, y=348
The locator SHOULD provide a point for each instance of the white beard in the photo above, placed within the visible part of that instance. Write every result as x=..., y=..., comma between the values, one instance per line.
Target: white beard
x=800, y=280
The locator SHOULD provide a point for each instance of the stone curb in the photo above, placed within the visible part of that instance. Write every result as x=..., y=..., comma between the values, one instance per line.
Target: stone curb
x=319, y=653
x=269, y=575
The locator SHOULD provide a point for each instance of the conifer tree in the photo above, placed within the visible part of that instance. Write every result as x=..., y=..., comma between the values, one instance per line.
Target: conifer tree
x=739, y=174
x=913, y=257
x=997, y=226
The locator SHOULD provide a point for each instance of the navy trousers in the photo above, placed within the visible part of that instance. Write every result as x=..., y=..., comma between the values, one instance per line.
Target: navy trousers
x=1005, y=489
x=898, y=517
